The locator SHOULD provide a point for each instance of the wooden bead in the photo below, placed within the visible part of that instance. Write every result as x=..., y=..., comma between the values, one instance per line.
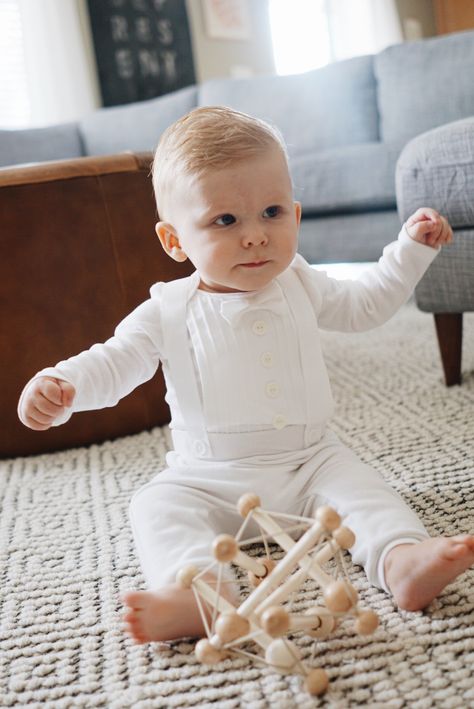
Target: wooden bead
x=224, y=547
x=247, y=503
x=324, y=622
x=230, y=626
x=282, y=654
x=185, y=576
x=366, y=623
x=328, y=518
x=255, y=580
x=207, y=654
x=275, y=621
x=340, y=596
x=345, y=537
x=316, y=682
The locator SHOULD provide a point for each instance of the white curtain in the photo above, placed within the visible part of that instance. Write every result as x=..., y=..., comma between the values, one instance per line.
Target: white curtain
x=362, y=26
x=60, y=68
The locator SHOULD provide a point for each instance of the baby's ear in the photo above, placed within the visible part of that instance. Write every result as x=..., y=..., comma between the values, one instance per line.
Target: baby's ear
x=169, y=241
x=297, y=206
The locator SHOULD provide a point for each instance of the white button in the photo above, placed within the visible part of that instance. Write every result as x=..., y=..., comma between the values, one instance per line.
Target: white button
x=272, y=390
x=259, y=327
x=279, y=421
x=199, y=447
x=267, y=359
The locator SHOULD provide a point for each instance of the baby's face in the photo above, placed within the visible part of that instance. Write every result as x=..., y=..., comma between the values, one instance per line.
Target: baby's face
x=238, y=225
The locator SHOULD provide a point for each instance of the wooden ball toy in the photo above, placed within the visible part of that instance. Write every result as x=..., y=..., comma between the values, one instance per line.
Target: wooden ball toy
x=260, y=619
x=255, y=580
x=282, y=654
x=328, y=518
x=324, y=622
x=340, y=596
x=224, y=547
x=185, y=576
x=247, y=503
x=316, y=682
x=344, y=537
x=275, y=621
x=230, y=626
x=207, y=654
x=366, y=623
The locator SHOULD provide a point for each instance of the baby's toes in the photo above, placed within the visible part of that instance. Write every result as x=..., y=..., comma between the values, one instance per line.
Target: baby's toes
x=133, y=599
x=134, y=628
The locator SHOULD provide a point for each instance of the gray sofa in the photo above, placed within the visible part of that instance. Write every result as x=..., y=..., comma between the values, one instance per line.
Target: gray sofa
x=345, y=125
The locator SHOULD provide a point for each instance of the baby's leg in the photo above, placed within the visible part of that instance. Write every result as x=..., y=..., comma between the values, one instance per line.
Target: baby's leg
x=391, y=543
x=173, y=526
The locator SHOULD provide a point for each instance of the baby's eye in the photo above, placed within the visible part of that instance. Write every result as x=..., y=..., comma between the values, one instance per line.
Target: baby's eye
x=272, y=211
x=225, y=220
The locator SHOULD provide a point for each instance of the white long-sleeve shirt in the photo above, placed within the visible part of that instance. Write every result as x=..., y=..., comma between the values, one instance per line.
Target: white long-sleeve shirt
x=246, y=351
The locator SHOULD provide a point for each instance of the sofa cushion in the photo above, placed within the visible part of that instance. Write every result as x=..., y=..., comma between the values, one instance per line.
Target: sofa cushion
x=324, y=108
x=436, y=169
x=346, y=179
x=424, y=84
x=137, y=126
x=347, y=237
x=40, y=144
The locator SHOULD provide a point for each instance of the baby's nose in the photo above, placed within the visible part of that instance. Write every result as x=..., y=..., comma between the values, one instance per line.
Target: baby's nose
x=255, y=237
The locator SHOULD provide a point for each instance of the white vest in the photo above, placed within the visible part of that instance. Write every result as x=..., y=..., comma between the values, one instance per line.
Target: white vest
x=195, y=441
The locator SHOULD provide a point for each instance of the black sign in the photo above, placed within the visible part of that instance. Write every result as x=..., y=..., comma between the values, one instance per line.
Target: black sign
x=143, y=48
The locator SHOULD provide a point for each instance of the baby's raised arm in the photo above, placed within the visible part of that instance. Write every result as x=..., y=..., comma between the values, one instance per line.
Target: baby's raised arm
x=43, y=400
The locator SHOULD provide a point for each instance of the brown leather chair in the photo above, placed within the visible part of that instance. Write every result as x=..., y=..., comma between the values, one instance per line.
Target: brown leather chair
x=78, y=252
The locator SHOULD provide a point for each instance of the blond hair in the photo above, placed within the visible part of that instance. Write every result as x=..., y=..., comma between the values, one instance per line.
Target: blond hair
x=211, y=137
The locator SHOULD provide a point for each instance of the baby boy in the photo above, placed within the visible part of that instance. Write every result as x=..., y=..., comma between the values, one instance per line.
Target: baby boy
x=246, y=382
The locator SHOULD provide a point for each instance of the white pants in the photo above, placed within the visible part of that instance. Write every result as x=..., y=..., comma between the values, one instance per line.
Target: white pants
x=176, y=517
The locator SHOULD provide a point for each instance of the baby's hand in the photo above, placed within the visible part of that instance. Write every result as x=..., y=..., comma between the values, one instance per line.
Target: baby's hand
x=45, y=399
x=428, y=227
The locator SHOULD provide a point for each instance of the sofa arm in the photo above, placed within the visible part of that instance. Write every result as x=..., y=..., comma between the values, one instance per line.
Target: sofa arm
x=436, y=169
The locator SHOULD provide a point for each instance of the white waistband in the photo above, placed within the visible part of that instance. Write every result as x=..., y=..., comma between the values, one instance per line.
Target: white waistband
x=228, y=446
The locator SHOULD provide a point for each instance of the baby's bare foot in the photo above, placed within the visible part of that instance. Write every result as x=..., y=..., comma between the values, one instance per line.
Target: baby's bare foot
x=169, y=613
x=166, y=614
x=417, y=573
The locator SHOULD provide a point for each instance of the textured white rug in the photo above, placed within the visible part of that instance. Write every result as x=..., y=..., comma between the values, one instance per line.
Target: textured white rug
x=66, y=555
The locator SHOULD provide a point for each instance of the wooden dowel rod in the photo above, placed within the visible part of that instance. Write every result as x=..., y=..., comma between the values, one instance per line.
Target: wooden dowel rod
x=249, y=564
x=280, y=594
x=303, y=622
x=326, y=552
x=287, y=543
x=294, y=554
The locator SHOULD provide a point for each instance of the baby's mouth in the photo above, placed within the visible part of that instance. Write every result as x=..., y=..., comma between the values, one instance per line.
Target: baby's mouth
x=254, y=264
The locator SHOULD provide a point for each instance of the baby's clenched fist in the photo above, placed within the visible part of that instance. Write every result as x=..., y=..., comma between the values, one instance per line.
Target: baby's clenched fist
x=43, y=401
x=428, y=227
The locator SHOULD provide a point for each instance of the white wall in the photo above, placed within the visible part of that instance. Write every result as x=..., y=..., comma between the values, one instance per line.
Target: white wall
x=61, y=67
x=223, y=57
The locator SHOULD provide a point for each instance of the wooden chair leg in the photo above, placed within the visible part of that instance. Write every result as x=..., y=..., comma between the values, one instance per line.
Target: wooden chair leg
x=449, y=332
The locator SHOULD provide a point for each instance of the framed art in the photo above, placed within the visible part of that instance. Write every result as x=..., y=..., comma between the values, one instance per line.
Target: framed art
x=227, y=19
x=143, y=48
